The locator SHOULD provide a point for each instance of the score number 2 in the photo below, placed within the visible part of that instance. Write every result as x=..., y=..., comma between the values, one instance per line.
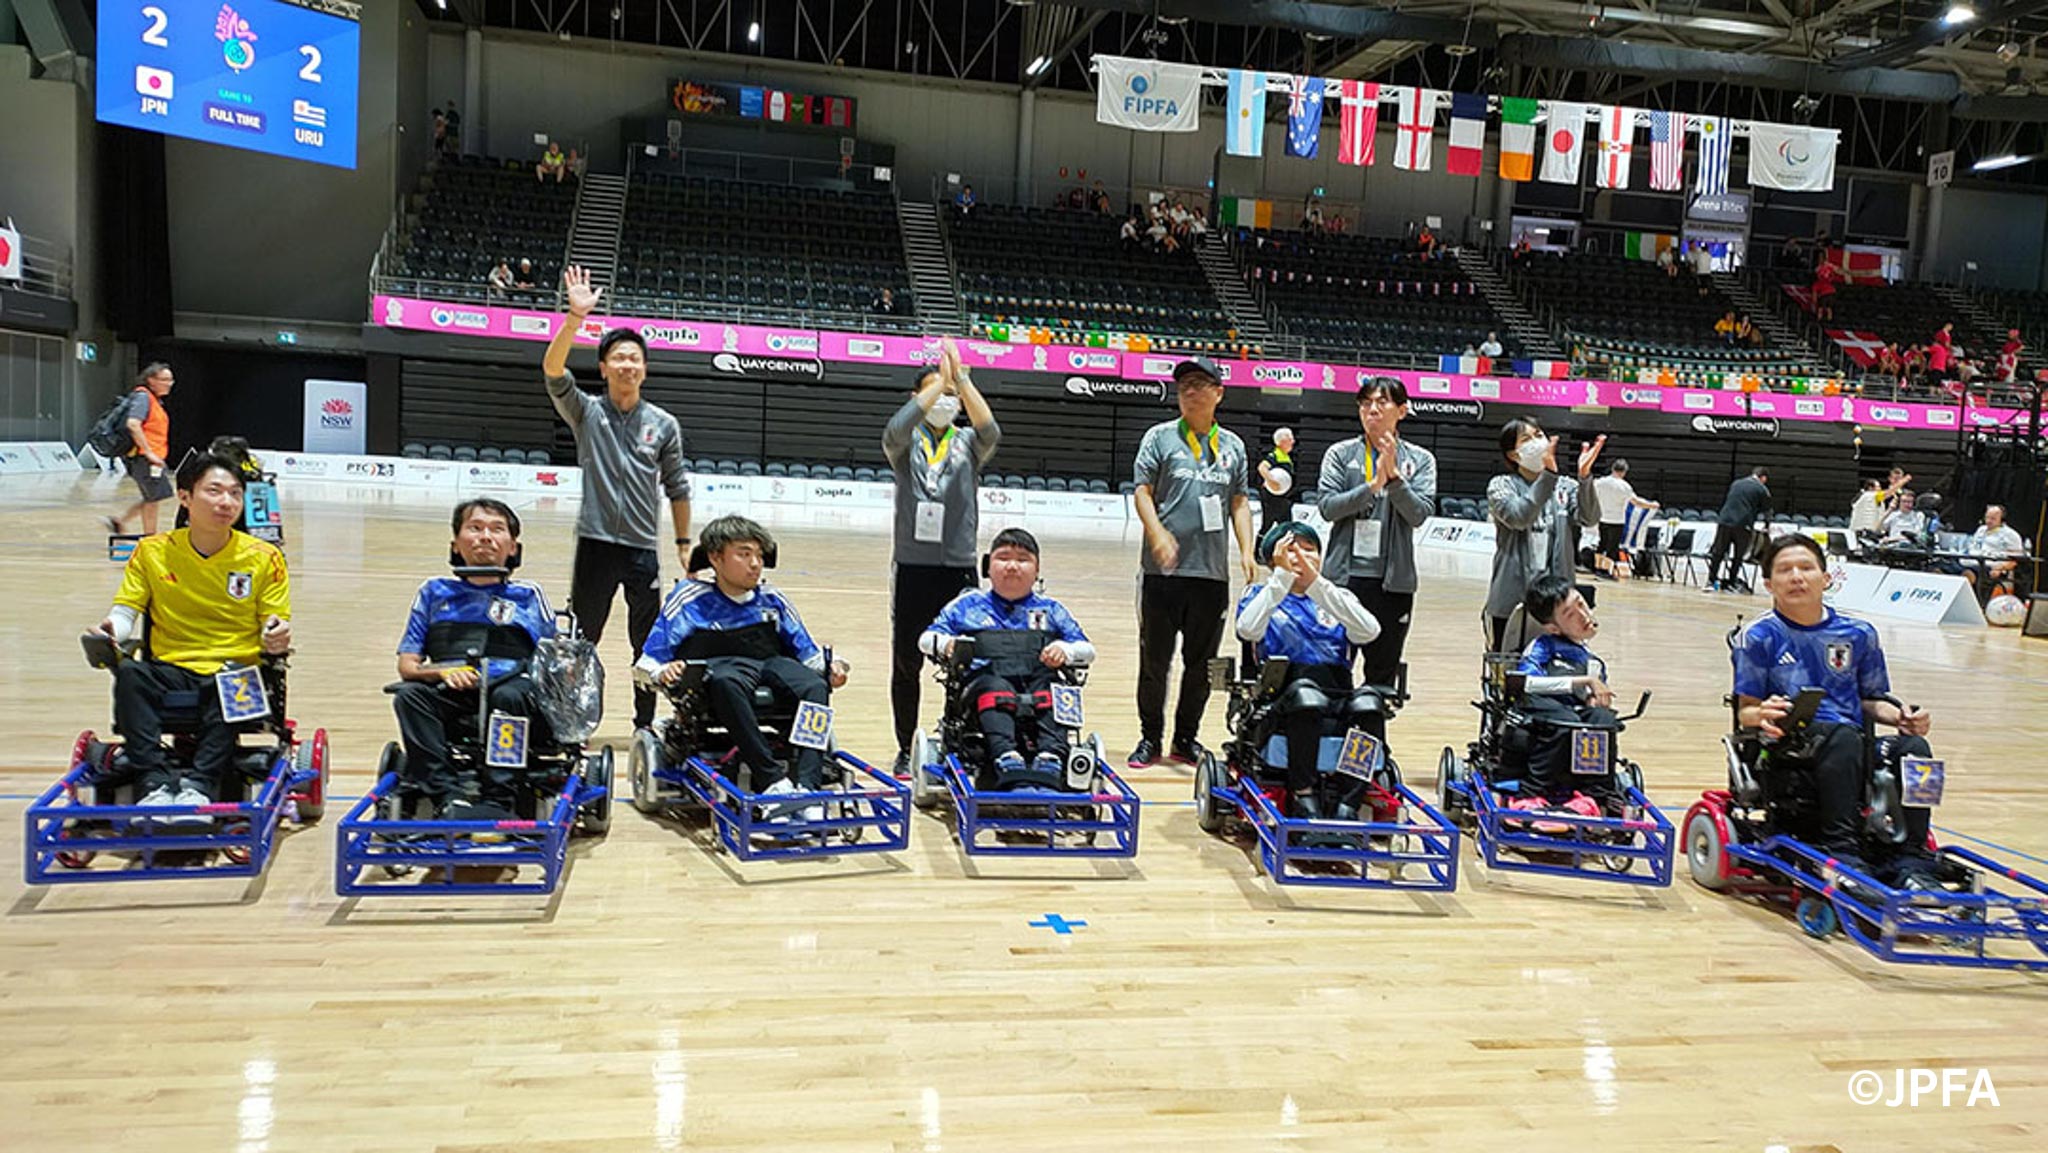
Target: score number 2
x=311, y=70
x=154, y=34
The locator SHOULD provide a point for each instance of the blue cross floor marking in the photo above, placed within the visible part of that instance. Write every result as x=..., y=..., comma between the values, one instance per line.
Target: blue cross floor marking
x=1058, y=924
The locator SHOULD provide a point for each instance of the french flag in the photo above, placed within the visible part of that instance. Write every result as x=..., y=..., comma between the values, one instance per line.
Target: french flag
x=1544, y=369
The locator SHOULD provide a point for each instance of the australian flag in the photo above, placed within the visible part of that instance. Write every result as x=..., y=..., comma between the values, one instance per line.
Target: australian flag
x=1304, y=115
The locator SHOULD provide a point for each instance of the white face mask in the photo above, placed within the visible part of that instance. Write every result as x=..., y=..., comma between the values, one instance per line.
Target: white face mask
x=943, y=410
x=1532, y=452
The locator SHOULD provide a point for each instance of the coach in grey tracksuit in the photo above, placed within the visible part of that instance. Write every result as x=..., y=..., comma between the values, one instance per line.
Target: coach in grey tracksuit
x=937, y=465
x=1376, y=490
x=631, y=453
x=1536, y=518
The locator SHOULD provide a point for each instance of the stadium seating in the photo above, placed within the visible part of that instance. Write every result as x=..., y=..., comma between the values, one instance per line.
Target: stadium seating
x=1068, y=274
x=1356, y=297
x=474, y=212
x=774, y=253
x=1614, y=298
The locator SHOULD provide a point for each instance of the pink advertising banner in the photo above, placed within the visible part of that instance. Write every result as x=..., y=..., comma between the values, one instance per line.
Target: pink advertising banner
x=712, y=337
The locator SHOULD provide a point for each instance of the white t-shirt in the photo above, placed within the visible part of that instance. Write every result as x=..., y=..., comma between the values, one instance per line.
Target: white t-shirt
x=2002, y=541
x=1489, y=348
x=1866, y=513
x=1615, y=495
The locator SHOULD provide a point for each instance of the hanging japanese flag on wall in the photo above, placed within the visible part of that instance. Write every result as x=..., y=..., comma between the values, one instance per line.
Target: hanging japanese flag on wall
x=1246, y=134
x=1361, y=121
x=1715, y=139
x=1617, y=145
x=1563, y=141
x=1517, y=138
x=1416, y=127
x=10, y=251
x=1304, y=115
x=1792, y=157
x=1667, y=151
x=778, y=105
x=1468, y=134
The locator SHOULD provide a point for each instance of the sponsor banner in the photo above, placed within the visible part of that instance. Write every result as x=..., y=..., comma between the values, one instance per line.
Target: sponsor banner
x=721, y=494
x=1468, y=536
x=741, y=364
x=1735, y=425
x=1926, y=597
x=1104, y=365
x=1070, y=505
x=53, y=456
x=336, y=416
x=16, y=458
x=488, y=477
x=551, y=480
x=1432, y=408
x=302, y=465
x=780, y=489
x=1853, y=587
x=419, y=473
x=849, y=494
x=1001, y=501
x=1096, y=389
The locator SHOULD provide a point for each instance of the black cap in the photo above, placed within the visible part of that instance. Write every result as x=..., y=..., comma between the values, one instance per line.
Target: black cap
x=1197, y=364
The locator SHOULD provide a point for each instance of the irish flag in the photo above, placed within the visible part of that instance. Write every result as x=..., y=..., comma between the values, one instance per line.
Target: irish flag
x=1646, y=245
x=1517, y=138
x=1245, y=212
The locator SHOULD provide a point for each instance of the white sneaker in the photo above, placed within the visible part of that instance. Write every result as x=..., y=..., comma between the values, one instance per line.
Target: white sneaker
x=163, y=796
x=811, y=814
x=188, y=795
x=778, y=813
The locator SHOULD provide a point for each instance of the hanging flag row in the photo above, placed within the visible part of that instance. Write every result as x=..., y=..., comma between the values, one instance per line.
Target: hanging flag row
x=1539, y=139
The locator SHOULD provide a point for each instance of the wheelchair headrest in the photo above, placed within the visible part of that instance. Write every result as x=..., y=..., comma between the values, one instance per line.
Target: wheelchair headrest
x=465, y=569
x=701, y=560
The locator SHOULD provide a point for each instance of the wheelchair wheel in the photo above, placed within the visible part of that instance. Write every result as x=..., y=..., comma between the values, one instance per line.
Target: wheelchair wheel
x=1817, y=917
x=595, y=818
x=311, y=756
x=641, y=763
x=1210, y=776
x=924, y=757
x=1706, y=849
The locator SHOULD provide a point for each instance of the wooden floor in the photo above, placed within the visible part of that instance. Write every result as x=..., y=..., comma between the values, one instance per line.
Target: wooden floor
x=669, y=998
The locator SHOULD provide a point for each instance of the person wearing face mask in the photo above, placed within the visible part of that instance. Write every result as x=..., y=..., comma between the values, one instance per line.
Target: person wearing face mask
x=630, y=452
x=1536, y=517
x=1376, y=490
x=937, y=466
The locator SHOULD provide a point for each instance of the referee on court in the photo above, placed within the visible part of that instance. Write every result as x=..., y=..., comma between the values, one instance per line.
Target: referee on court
x=1192, y=492
x=630, y=452
x=937, y=466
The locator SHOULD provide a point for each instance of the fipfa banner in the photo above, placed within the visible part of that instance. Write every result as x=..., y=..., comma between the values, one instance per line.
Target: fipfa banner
x=1147, y=95
x=336, y=411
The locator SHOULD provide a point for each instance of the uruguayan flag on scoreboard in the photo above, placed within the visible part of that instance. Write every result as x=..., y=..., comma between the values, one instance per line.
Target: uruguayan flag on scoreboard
x=1714, y=141
x=1246, y=133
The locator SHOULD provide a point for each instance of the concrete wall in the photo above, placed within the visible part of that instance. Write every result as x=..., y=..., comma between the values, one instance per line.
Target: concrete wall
x=2002, y=231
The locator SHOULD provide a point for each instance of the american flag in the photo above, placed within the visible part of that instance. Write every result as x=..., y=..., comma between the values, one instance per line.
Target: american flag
x=1667, y=151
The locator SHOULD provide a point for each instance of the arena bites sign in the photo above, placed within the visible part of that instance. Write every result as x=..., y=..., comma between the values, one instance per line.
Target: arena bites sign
x=1147, y=95
x=335, y=418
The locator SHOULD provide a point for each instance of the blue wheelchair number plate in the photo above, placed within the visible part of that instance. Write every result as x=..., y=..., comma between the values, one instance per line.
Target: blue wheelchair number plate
x=241, y=694
x=507, y=746
x=1361, y=755
x=813, y=726
x=1066, y=705
x=1923, y=782
x=1589, y=752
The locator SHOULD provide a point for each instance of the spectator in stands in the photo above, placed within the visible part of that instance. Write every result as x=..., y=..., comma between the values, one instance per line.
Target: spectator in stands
x=1702, y=261
x=1747, y=333
x=1867, y=514
x=1889, y=362
x=1490, y=346
x=1099, y=199
x=501, y=279
x=1967, y=373
x=1192, y=487
x=1994, y=549
x=1668, y=262
x=1277, y=481
x=1536, y=518
x=1160, y=233
x=1726, y=326
x=454, y=121
x=1193, y=223
x=1617, y=496
x=2009, y=357
x=1129, y=232
x=440, y=131
x=1905, y=523
x=631, y=452
x=525, y=277
x=1825, y=276
x=1913, y=365
x=1425, y=243
x=1748, y=500
x=1376, y=490
x=964, y=201
x=1940, y=350
x=1521, y=249
x=884, y=303
x=937, y=466
x=1312, y=214
x=552, y=163
x=575, y=164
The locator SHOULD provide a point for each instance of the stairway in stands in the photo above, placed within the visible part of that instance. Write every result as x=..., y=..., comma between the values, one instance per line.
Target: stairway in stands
x=1778, y=336
x=1537, y=340
x=934, y=287
x=594, y=237
x=1226, y=280
x=1972, y=310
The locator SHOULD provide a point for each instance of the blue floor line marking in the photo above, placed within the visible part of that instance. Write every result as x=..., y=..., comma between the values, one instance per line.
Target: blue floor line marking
x=1991, y=844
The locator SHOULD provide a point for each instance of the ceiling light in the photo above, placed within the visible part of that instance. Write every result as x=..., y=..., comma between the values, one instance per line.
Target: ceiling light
x=1459, y=50
x=1037, y=66
x=1959, y=14
x=754, y=32
x=1994, y=163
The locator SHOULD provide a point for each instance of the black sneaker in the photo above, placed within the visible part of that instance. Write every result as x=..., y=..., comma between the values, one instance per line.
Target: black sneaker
x=1145, y=755
x=902, y=769
x=1189, y=752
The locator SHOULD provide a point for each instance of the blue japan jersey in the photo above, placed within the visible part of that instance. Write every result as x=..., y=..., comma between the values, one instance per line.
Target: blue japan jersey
x=1840, y=655
x=981, y=610
x=1300, y=632
x=697, y=606
x=454, y=601
x=1550, y=655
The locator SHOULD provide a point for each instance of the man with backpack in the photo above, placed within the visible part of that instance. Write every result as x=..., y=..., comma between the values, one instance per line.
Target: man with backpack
x=139, y=429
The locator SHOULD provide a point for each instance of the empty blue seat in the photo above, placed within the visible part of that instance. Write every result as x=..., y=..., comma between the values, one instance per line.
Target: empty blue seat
x=842, y=472
x=465, y=452
x=777, y=468
x=1101, y=486
x=864, y=473
x=439, y=452
x=1056, y=484
x=490, y=455
x=414, y=451
x=746, y=467
x=538, y=456
x=1034, y=483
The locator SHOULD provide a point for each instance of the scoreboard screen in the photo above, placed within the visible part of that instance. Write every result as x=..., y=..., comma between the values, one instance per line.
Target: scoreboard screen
x=264, y=75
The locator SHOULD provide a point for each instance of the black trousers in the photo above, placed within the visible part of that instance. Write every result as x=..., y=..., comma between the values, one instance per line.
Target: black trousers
x=1306, y=728
x=601, y=568
x=1191, y=610
x=1610, y=540
x=995, y=704
x=139, y=690
x=729, y=685
x=1395, y=612
x=1831, y=774
x=1273, y=509
x=916, y=596
x=1548, y=774
x=1730, y=541
x=427, y=712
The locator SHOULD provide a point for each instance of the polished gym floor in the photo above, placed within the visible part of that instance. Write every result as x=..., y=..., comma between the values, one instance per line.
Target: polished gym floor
x=669, y=997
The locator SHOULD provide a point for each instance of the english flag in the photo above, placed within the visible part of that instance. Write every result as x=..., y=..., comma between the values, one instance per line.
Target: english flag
x=1360, y=101
x=1416, y=128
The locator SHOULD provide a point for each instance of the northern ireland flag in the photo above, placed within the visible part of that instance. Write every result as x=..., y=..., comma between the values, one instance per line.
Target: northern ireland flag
x=1861, y=347
x=1361, y=120
x=1617, y=145
x=1468, y=134
x=1564, y=140
x=1416, y=128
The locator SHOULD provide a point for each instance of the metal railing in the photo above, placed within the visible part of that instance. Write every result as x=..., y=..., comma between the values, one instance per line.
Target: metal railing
x=45, y=267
